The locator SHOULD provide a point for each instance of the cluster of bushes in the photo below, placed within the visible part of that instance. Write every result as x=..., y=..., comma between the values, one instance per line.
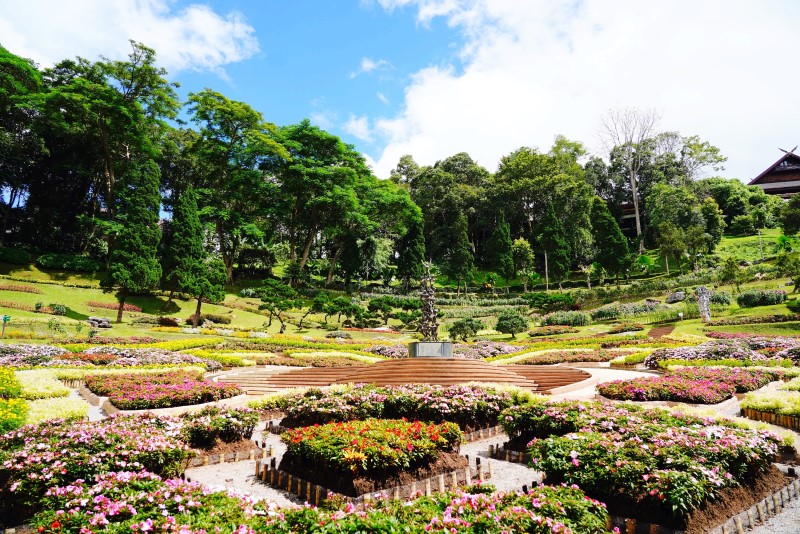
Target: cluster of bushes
x=673, y=463
x=204, y=428
x=16, y=256
x=762, y=297
x=549, y=302
x=754, y=319
x=567, y=318
x=553, y=330
x=68, y=262
x=209, y=317
x=625, y=327
x=471, y=407
x=612, y=311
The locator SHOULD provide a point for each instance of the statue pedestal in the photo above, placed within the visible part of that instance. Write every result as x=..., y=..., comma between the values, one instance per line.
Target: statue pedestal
x=430, y=349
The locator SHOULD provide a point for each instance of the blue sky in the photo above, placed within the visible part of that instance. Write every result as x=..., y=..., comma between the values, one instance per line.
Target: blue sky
x=432, y=78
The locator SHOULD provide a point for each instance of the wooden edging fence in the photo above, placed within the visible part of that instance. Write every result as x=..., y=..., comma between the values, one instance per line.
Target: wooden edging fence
x=787, y=421
x=315, y=494
x=258, y=454
x=755, y=515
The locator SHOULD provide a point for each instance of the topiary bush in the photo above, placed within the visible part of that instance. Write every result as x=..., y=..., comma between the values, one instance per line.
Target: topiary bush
x=511, y=323
x=465, y=328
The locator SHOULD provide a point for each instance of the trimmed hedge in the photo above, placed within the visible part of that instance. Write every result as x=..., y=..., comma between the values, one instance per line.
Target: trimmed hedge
x=68, y=262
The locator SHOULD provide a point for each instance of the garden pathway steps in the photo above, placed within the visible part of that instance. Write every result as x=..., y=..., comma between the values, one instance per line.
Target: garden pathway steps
x=439, y=371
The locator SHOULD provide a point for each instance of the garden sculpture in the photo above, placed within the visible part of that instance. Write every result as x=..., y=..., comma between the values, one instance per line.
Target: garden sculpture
x=703, y=295
x=429, y=327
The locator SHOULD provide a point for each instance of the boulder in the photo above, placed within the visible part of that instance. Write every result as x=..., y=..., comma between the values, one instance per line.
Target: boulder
x=676, y=297
x=652, y=301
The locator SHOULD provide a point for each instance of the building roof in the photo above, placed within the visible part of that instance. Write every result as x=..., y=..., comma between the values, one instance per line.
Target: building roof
x=789, y=163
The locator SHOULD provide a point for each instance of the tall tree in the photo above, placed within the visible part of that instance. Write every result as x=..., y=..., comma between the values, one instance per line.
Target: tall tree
x=459, y=259
x=411, y=254
x=195, y=271
x=611, y=247
x=134, y=264
x=235, y=144
x=670, y=243
x=629, y=129
x=555, y=247
x=499, y=252
x=523, y=256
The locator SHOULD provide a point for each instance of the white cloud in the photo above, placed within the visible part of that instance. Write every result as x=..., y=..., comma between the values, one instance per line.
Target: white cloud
x=194, y=38
x=368, y=65
x=531, y=70
x=382, y=98
x=358, y=127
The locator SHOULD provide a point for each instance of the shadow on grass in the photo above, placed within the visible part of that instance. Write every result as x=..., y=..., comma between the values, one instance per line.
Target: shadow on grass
x=72, y=314
x=156, y=305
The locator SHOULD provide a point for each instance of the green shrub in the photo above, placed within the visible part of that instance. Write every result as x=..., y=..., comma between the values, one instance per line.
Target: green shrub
x=511, y=323
x=215, y=318
x=567, y=318
x=68, y=262
x=548, y=302
x=465, y=328
x=12, y=414
x=67, y=408
x=763, y=297
x=10, y=386
x=14, y=255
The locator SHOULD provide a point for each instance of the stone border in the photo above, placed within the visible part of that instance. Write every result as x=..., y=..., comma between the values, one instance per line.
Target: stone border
x=315, y=494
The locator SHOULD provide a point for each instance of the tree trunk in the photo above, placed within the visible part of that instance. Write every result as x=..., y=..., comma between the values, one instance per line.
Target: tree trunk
x=666, y=260
x=196, y=320
x=283, y=325
x=307, y=248
x=546, y=274
x=303, y=318
x=223, y=250
x=332, y=267
x=121, y=296
x=11, y=199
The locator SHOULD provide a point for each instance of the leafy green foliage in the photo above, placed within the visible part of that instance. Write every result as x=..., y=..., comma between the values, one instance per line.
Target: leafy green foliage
x=466, y=328
x=511, y=323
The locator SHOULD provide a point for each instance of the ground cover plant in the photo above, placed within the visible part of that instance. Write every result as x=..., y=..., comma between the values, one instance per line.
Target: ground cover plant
x=469, y=406
x=762, y=297
x=36, y=458
x=159, y=390
x=554, y=330
x=202, y=429
x=693, y=385
x=551, y=357
x=371, y=445
x=166, y=504
x=69, y=409
x=712, y=350
x=643, y=460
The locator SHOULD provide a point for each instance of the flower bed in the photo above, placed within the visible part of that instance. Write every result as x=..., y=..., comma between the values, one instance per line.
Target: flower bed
x=471, y=407
x=20, y=288
x=650, y=463
x=40, y=384
x=693, y=385
x=553, y=330
x=35, y=458
x=17, y=356
x=754, y=319
x=712, y=350
x=113, y=306
x=203, y=428
x=625, y=327
x=159, y=390
x=163, y=505
x=562, y=356
x=70, y=409
x=358, y=457
x=12, y=413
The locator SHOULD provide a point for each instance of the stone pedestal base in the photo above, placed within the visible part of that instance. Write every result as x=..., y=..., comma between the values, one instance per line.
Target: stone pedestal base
x=430, y=349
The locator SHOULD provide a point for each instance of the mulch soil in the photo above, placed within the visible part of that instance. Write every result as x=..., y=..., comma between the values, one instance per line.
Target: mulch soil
x=221, y=447
x=660, y=331
x=353, y=485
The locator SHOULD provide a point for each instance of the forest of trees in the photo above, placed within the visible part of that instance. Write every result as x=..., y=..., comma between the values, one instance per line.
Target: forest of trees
x=92, y=152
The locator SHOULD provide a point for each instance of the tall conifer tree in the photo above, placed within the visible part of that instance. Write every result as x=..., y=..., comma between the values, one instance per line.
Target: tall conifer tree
x=134, y=264
x=555, y=246
x=411, y=253
x=500, y=253
x=610, y=244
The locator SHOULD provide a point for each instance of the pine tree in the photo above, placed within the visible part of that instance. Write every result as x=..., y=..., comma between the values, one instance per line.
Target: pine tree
x=195, y=272
x=134, y=266
x=459, y=260
x=552, y=237
x=500, y=250
x=611, y=247
x=411, y=253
